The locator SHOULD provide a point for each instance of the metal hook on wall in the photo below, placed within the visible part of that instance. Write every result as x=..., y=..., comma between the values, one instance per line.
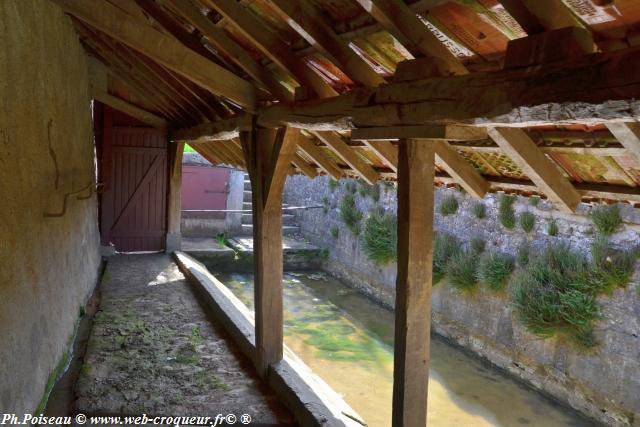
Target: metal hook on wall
x=92, y=188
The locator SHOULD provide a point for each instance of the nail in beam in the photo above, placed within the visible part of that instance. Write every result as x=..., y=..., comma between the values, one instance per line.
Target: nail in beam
x=268, y=154
x=413, y=283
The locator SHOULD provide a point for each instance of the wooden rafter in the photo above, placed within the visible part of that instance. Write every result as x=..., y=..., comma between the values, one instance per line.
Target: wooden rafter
x=401, y=21
x=322, y=160
x=629, y=136
x=338, y=146
x=386, y=151
x=303, y=17
x=448, y=132
x=304, y=166
x=274, y=48
x=523, y=151
x=163, y=49
x=456, y=166
x=219, y=39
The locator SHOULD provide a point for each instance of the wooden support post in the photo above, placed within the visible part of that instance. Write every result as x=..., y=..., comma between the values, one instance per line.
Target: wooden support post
x=413, y=284
x=268, y=156
x=173, y=242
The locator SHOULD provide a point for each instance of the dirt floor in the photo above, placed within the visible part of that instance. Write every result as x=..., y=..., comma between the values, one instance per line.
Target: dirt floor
x=153, y=349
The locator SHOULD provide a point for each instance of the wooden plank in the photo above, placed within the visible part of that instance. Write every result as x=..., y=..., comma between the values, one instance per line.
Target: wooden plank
x=220, y=130
x=307, y=21
x=448, y=132
x=527, y=20
x=218, y=38
x=456, y=166
x=132, y=110
x=338, y=146
x=588, y=89
x=543, y=172
x=268, y=156
x=552, y=14
x=163, y=49
x=304, y=166
x=413, y=283
x=400, y=20
x=386, y=151
x=628, y=134
x=275, y=49
x=322, y=160
x=204, y=151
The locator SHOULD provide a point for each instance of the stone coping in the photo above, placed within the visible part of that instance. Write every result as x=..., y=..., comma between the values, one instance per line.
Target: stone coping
x=313, y=401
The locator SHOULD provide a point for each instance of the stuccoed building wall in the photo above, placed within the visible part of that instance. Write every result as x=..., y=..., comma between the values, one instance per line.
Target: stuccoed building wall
x=48, y=266
x=603, y=383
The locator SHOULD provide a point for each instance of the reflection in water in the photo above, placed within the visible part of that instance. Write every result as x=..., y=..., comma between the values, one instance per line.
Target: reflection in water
x=348, y=341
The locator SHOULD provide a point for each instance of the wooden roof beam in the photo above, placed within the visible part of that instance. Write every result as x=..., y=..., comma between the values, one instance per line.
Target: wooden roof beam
x=132, y=110
x=400, y=20
x=523, y=16
x=164, y=49
x=386, y=152
x=456, y=166
x=307, y=21
x=322, y=160
x=587, y=89
x=218, y=38
x=628, y=134
x=337, y=145
x=220, y=130
x=516, y=144
x=304, y=166
x=270, y=45
x=448, y=132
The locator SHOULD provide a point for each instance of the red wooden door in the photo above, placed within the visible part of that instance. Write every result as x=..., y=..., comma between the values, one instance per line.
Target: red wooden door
x=134, y=215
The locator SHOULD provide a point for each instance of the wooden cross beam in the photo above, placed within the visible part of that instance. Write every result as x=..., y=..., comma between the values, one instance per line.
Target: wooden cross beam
x=448, y=132
x=456, y=166
x=322, y=160
x=516, y=144
x=268, y=155
x=629, y=136
x=164, y=49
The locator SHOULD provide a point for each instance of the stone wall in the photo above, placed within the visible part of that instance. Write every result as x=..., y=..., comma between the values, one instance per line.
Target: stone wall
x=48, y=266
x=604, y=384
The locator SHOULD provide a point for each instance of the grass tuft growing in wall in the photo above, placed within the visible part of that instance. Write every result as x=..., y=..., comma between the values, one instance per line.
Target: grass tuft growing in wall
x=380, y=237
x=613, y=269
x=506, y=214
x=527, y=221
x=449, y=205
x=480, y=210
x=522, y=255
x=372, y=191
x=477, y=245
x=556, y=293
x=350, y=213
x=534, y=201
x=606, y=219
x=494, y=270
x=552, y=228
x=445, y=246
x=461, y=271
x=325, y=205
x=335, y=232
x=333, y=184
x=350, y=187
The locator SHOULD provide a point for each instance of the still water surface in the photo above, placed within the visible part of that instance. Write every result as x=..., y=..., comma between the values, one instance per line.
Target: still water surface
x=348, y=341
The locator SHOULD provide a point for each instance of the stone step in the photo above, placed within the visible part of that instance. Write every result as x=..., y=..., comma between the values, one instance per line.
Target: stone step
x=247, y=206
x=287, y=219
x=246, y=196
x=287, y=230
x=247, y=185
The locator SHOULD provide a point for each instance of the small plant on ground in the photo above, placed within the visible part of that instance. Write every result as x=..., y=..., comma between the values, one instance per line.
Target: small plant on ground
x=462, y=270
x=527, y=221
x=350, y=213
x=477, y=245
x=534, y=201
x=480, y=210
x=449, y=205
x=552, y=228
x=613, y=269
x=388, y=185
x=335, y=232
x=606, y=219
x=445, y=246
x=556, y=293
x=221, y=239
x=506, y=214
x=494, y=270
x=522, y=255
x=380, y=237
x=333, y=184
